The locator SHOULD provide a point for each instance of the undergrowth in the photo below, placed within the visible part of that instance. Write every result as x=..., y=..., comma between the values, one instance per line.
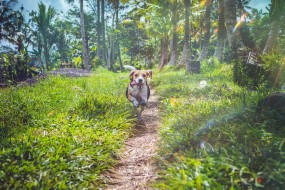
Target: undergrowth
x=212, y=137
x=62, y=133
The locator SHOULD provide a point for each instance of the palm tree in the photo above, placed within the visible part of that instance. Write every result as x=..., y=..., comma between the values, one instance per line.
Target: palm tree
x=186, y=48
x=10, y=21
x=83, y=35
x=221, y=32
x=95, y=6
x=276, y=12
x=174, y=51
x=43, y=20
x=230, y=20
x=207, y=35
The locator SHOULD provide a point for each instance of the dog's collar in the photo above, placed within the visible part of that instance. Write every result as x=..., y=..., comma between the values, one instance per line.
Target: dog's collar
x=139, y=85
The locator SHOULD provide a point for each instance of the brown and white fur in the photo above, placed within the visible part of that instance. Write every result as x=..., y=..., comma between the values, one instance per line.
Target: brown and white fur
x=138, y=91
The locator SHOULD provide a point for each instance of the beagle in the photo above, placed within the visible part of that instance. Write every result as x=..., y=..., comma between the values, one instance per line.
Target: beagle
x=138, y=91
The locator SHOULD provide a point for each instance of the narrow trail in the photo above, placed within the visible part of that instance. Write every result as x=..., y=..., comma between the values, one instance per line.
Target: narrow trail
x=136, y=168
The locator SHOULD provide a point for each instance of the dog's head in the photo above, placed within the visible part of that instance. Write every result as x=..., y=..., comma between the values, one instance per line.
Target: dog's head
x=140, y=76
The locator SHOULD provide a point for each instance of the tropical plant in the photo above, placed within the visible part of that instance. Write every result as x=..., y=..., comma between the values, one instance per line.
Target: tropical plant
x=230, y=22
x=221, y=36
x=276, y=12
x=85, y=51
x=10, y=21
x=43, y=31
x=186, y=50
x=174, y=40
x=207, y=29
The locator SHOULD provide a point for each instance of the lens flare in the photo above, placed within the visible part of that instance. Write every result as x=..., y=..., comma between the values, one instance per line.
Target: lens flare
x=241, y=20
x=280, y=71
x=203, y=3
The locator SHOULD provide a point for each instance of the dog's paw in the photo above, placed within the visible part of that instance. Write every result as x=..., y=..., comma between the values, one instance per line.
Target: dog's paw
x=144, y=102
x=136, y=103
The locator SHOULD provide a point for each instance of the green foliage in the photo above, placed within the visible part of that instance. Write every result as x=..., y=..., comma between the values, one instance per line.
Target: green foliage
x=14, y=67
x=212, y=137
x=270, y=74
x=63, y=132
x=275, y=66
x=249, y=75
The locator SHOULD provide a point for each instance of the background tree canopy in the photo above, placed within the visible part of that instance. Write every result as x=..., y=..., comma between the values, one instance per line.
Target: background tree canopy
x=145, y=33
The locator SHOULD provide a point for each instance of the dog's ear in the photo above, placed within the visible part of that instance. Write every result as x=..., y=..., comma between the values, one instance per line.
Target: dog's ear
x=132, y=74
x=149, y=73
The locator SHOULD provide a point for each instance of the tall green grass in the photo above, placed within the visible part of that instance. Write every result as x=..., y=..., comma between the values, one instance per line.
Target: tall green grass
x=62, y=133
x=212, y=137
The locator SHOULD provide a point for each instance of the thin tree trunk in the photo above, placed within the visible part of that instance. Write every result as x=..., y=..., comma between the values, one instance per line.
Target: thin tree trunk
x=110, y=53
x=186, y=34
x=221, y=32
x=191, y=66
x=84, y=39
x=272, y=36
x=174, y=51
x=103, y=30
x=117, y=44
x=98, y=28
x=207, y=35
x=230, y=20
x=46, y=53
x=164, y=52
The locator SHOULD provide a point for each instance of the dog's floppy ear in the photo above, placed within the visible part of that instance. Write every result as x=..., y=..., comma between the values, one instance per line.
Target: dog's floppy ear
x=132, y=74
x=149, y=73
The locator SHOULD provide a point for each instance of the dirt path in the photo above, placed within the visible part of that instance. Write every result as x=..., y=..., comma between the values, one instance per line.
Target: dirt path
x=136, y=168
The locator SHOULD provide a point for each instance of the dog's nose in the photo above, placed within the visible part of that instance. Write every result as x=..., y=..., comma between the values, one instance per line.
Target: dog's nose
x=140, y=80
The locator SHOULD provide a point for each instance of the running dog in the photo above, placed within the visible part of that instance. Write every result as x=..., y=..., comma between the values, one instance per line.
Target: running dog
x=138, y=91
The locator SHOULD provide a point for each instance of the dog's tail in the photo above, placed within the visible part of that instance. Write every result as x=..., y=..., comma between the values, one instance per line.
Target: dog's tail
x=129, y=67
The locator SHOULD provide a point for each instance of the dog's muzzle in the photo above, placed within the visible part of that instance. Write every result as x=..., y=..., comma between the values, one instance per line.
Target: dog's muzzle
x=140, y=85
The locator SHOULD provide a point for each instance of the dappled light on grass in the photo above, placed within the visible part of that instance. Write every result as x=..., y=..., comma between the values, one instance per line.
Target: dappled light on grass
x=215, y=139
x=62, y=132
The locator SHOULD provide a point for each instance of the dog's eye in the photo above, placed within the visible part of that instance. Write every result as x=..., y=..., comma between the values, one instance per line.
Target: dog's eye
x=144, y=75
x=136, y=75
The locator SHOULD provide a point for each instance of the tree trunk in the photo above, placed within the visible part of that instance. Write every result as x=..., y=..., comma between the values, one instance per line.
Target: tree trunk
x=110, y=53
x=191, y=66
x=84, y=39
x=174, y=51
x=230, y=20
x=98, y=28
x=164, y=52
x=103, y=30
x=117, y=43
x=221, y=32
x=186, y=34
x=207, y=35
x=46, y=53
x=272, y=36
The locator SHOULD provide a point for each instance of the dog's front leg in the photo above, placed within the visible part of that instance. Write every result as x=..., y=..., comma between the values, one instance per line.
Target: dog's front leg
x=140, y=113
x=144, y=102
x=135, y=102
x=132, y=98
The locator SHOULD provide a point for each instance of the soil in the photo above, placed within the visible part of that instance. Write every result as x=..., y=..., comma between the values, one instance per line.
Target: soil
x=71, y=72
x=136, y=168
x=68, y=72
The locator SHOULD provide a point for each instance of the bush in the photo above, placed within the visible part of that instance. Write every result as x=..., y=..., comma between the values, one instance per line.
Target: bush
x=270, y=74
x=14, y=67
x=275, y=66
